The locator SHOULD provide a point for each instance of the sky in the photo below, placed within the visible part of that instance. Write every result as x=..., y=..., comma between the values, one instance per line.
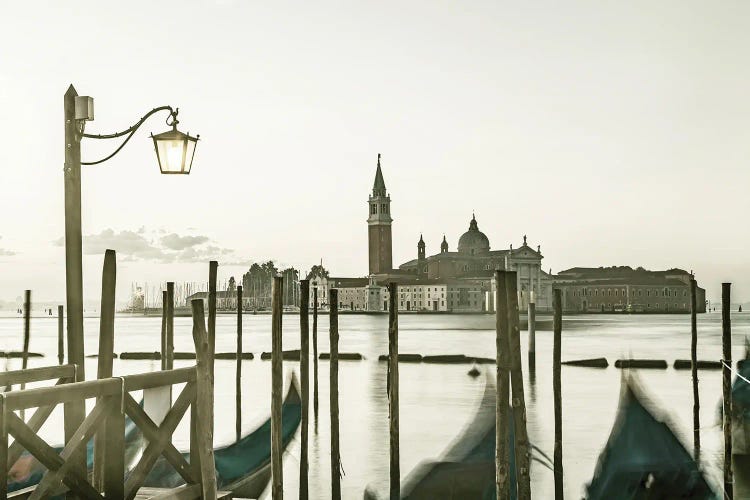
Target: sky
x=610, y=133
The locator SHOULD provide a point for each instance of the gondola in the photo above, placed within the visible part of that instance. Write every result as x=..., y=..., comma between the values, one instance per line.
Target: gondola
x=467, y=469
x=643, y=458
x=27, y=471
x=243, y=467
x=741, y=406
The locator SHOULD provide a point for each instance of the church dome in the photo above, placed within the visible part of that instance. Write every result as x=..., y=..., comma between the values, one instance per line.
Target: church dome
x=473, y=241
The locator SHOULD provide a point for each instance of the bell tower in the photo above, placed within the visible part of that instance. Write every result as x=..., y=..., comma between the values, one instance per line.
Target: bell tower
x=379, y=226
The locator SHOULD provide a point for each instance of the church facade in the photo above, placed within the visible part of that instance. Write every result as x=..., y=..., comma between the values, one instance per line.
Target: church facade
x=459, y=281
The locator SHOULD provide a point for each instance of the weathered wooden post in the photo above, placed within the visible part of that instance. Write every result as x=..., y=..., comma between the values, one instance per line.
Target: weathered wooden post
x=202, y=416
x=26, y=333
x=726, y=343
x=106, y=348
x=277, y=479
x=170, y=326
x=304, y=368
x=212, y=270
x=333, y=304
x=557, y=390
x=532, y=330
x=238, y=376
x=60, y=336
x=694, y=369
x=502, y=420
x=315, y=351
x=393, y=404
x=163, y=330
x=516, y=382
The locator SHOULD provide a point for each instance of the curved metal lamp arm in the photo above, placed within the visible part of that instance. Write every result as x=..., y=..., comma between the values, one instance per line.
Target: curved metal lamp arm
x=130, y=131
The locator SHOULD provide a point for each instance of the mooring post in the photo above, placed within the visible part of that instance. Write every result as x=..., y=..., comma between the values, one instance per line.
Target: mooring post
x=277, y=479
x=202, y=428
x=393, y=404
x=726, y=343
x=333, y=304
x=60, y=336
x=163, y=351
x=557, y=391
x=304, y=368
x=502, y=360
x=516, y=382
x=315, y=352
x=169, y=344
x=106, y=349
x=532, y=330
x=212, y=271
x=694, y=369
x=26, y=331
x=238, y=375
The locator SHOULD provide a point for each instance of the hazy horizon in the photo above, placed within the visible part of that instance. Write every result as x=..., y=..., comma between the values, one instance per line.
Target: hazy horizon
x=610, y=134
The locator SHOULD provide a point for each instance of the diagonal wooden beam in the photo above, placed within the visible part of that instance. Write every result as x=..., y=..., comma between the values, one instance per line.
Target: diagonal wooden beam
x=151, y=433
x=78, y=441
x=47, y=456
x=155, y=447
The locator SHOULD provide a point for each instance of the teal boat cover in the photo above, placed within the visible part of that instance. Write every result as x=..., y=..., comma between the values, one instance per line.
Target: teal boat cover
x=643, y=459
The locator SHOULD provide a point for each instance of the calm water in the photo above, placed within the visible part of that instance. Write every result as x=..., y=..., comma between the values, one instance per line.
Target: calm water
x=436, y=400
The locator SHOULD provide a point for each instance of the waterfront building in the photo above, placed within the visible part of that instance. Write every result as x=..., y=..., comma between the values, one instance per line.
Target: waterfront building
x=624, y=289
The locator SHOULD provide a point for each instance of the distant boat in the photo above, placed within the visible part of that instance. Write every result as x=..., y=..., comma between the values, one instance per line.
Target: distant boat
x=467, y=469
x=243, y=467
x=643, y=458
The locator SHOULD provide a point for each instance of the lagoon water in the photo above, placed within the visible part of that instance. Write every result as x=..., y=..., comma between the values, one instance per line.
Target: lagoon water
x=437, y=401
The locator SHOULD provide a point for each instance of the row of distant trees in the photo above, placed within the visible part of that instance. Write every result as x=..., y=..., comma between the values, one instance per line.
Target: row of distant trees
x=257, y=283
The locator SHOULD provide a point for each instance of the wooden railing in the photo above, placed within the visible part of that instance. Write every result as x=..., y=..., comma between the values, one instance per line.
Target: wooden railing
x=66, y=469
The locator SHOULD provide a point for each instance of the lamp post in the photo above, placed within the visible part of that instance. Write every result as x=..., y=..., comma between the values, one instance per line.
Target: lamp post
x=174, y=150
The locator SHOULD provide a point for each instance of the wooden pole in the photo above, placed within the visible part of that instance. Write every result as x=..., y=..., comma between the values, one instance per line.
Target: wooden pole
x=694, y=370
x=163, y=329
x=304, y=368
x=393, y=404
x=212, y=270
x=238, y=376
x=516, y=382
x=203, y=426
x=726, y=343
x=26, y=329
x=277, y=479
x=557, y=391
x=502, y=420
x=532, y=331
x=333, y=304
x=315, y=351
x=60, y=336
x=106, y=349
x=170, y=325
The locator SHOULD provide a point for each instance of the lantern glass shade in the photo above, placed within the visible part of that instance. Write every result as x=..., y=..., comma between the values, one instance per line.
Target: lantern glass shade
x=175, y=151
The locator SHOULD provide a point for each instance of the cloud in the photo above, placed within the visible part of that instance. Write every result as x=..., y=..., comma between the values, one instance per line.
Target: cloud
x=144, y=245
x=174, y=241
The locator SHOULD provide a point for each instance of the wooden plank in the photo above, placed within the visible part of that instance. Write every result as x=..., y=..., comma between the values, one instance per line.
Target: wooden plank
x=60, y=336
x=106, y=346
x=238, y=370
x=204, y=402
x=304, y=327
x=170, y=326
x=114, y=443
x=158, y=442
x=315, y=352
x=694, y=369
x=502, y=420
x=4, y=462
x=333, y=372
x=151, y=433
x=140, y=381
x=213, y=267
x=163, y=336
x=26, y=335
x=74, y=392
x=557, y=391
x=516, y=384
x=37, y=374
x=277, y=478
x=726, y=345
x=186, y=492
x=393, y=403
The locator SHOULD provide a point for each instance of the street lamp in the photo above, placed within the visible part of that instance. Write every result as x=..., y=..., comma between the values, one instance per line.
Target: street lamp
x=174, y=152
